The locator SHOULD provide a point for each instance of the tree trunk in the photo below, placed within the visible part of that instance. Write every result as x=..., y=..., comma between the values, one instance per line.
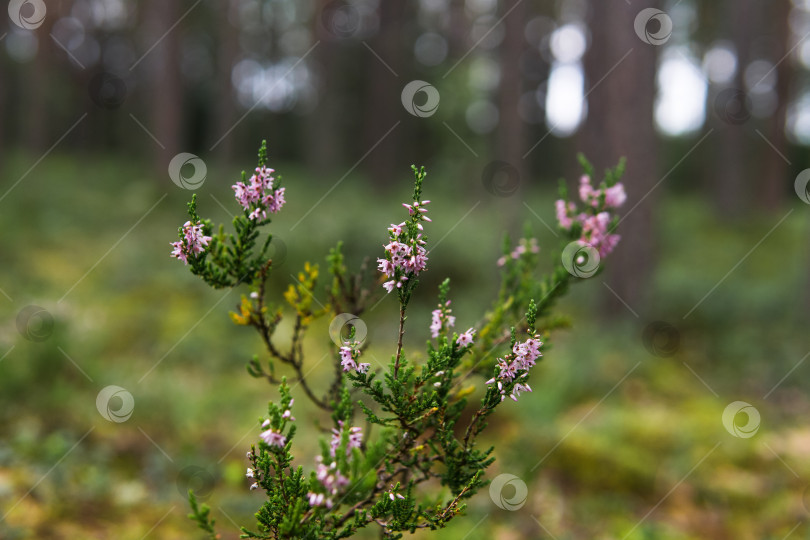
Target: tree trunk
x=729, y=178
x=775, y=181
x=381, y=110
x=37, y=75
x=620, y=123
x=510, y=136
x=324, y=147
x=227, y=52
x=166, y=93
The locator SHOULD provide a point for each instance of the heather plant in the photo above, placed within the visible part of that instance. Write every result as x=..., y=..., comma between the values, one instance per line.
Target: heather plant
x=417, y=460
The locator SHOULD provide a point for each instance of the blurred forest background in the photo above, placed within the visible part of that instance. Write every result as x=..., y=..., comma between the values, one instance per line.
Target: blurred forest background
x=704, y=302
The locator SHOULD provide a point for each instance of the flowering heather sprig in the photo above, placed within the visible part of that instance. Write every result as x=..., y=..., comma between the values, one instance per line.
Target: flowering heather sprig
x=272, y=430
x=441, y=320
x=525, y=245
x=355, y=438
x=405, y=253
x=192, y=241
x=349, y=353
x=420, y=425
x=259, y=194
x=332, y=481
x=227, y=259
x=595, y=222
x=515, y=366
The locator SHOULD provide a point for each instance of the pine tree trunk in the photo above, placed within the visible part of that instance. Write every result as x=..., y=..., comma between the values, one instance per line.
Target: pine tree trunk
x=620, y=123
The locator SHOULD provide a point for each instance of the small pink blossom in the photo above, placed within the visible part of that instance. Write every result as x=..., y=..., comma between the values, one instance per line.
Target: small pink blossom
x=193, y=242
x=405, y=254
x=273, y=438
x=315, y=499
x=564, y=212
x=466, y=339
x=441, y=320
x=595, y=221
x=355, y=439
x=258, y=196
x=331, y=479
x=516, y=366
x=525, y=245
x=348, y=358
x=586, y=192
x=615, y=196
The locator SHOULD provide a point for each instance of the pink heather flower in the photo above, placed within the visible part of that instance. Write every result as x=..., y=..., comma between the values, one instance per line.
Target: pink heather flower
x=396, y=230
x=193, y=243
x=564, y=213
x=615, y=196
x=316, y=499
x=524, y=246
x=417, y=208
x=441, y=320
x=586, y=192
x=405, y=254
x=355, y=439
x=516, y=365
x=517, y=389
x=594, y=232
x=273, y=438
x=595, y=224
x=179, y=252
x=330, y=477
x=254, y=485
x=466, y=339
x=348, y=357
x=258, y=196
x=250, y=473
